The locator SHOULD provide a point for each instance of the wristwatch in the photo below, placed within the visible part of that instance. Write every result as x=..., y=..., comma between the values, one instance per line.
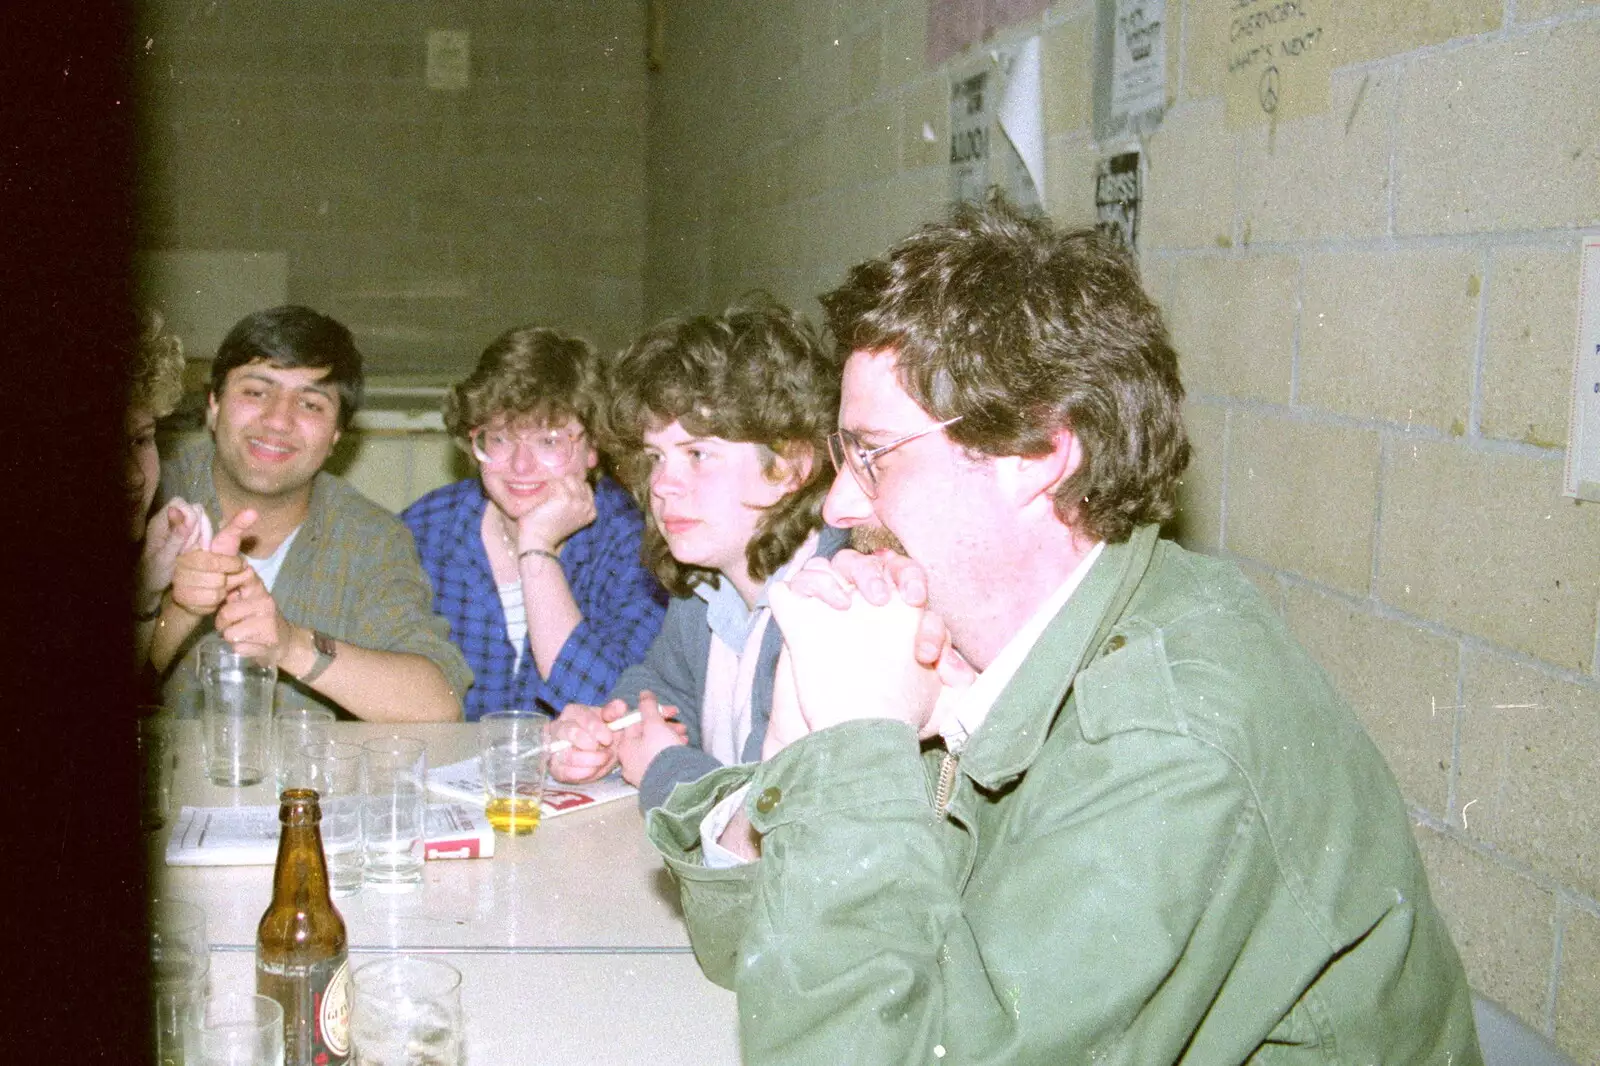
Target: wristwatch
x=326, y=651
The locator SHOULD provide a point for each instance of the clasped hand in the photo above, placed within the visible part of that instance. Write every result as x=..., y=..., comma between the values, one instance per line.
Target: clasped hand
x=858, y=643
x=216, y=579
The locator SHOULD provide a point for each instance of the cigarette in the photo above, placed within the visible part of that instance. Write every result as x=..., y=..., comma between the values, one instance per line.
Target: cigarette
x=631, y=718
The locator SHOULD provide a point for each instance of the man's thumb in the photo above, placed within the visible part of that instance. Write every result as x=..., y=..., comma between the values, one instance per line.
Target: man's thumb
x=228, y=538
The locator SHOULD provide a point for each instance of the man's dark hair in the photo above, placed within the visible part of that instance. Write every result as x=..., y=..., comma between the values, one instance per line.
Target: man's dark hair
x=1021, y=330
x=758, y=372
x=292, y=337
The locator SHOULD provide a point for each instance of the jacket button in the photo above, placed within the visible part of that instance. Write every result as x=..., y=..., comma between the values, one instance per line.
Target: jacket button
x=1116, y=643
x=768, y=799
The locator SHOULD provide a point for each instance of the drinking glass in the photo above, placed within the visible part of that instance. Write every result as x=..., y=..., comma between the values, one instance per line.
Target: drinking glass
x=180, y=960
x=513, y=758
x=292, y=729
x=237, y=712
x=234, y=1030
x=335, y=771
x=157, y=731
x=406, y=1011
x=396, y=775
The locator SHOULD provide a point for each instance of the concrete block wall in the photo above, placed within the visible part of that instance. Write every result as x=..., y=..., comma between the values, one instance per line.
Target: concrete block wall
x=1378, y=310
x=427, y=220
x=1376, y=307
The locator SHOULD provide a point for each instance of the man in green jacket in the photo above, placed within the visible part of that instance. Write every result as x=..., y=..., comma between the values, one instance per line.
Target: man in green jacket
x=1041, y=787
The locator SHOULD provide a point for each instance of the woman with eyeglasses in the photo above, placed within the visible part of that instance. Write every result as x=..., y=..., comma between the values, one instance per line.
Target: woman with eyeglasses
x=535, y=562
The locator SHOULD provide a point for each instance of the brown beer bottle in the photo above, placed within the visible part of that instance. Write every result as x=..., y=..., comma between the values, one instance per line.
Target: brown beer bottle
x=300, y=943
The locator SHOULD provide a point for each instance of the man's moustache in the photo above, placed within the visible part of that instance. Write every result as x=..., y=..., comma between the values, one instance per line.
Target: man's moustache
x=869, y=539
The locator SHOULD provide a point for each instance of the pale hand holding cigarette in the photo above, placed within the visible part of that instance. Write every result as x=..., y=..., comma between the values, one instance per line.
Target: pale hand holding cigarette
x=631, y=718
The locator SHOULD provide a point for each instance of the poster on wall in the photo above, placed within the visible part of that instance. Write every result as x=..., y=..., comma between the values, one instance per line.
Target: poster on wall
x=1130, y=81
x=1277, y=56
x=1582, y=475
x=997, y=127
x=1116, y=198
x=971, y=112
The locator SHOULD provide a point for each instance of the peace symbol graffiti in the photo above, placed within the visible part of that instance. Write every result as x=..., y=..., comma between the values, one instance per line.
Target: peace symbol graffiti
x=1268, y=89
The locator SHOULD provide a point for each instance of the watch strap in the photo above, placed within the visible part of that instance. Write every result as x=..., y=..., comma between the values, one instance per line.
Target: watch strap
x=326, y=652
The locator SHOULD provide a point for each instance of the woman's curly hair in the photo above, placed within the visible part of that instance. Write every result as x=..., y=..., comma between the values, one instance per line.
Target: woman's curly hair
x=156, y=377
x=758, y=372
x=530, y=373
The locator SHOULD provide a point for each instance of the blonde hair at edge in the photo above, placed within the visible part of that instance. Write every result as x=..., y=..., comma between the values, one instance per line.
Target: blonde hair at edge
x=156, y=383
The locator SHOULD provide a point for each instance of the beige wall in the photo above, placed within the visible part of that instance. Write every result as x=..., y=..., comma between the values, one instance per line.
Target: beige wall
x=1376, y=306
x=426, y=220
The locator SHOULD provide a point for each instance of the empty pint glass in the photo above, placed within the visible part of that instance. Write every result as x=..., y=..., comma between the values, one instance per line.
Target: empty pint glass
x=234, y=1030
x=237, y=715
x=292, y=729
x=180, y=961
x=335, y=771
x=396, y=774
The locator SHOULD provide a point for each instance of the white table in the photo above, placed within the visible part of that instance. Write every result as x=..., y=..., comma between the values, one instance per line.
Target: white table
x=569, y=941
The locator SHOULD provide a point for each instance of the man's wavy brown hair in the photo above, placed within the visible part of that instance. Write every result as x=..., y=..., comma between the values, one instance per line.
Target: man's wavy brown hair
x=1021, y=330
x=759, y=373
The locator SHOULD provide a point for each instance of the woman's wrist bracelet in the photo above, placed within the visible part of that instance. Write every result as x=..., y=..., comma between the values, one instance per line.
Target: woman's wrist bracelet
x=151, y=615
x=552, y=556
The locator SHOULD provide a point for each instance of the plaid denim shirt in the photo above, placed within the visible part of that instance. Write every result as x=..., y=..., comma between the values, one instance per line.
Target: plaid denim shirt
x=351, y=572
x=620, y=601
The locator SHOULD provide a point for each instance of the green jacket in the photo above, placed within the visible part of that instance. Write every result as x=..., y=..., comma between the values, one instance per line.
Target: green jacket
x=1169, y=842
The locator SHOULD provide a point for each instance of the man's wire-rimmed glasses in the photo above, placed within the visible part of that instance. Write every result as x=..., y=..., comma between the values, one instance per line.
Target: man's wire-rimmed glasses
x=493, y=446
x=848, y=453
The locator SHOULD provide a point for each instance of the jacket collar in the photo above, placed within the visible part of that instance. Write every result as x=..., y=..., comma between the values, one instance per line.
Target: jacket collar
x=1011, y=737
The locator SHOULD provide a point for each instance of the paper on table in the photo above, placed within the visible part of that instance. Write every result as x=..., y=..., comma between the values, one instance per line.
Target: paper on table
x=462, y=782
x=248, y=836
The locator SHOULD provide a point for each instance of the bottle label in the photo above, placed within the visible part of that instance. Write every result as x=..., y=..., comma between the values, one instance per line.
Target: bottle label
x=333, y=1017
x=315, y=997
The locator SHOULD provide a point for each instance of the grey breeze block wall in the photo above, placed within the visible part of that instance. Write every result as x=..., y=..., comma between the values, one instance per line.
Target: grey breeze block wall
x=1376, y=310
x=428, y=220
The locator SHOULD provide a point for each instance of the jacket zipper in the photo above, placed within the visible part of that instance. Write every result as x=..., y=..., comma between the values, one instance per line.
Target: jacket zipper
x=947, y=781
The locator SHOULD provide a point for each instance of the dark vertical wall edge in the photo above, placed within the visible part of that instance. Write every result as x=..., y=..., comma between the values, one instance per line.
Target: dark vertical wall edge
x=75, y=884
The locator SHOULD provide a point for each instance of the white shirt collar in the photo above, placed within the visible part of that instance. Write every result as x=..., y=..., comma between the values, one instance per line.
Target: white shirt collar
x=267, y=569
x=960, y=711
x=726, y=613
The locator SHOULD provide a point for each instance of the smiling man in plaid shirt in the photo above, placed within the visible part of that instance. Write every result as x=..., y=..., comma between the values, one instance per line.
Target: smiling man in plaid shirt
x=303, y=571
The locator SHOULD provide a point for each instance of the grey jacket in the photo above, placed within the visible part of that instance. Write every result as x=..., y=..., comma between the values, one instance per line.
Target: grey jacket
x=675, y=670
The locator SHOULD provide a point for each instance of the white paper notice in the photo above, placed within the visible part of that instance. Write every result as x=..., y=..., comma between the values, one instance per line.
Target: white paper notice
x=997, y=127
x=1583, y=444
x=1021, y=118
x=971, y=110
x=1138, y=64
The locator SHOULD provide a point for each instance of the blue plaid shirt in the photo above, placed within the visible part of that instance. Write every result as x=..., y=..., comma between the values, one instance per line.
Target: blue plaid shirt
x=621, y=602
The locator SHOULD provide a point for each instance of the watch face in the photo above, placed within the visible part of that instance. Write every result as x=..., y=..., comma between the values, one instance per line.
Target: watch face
x=322, y=642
